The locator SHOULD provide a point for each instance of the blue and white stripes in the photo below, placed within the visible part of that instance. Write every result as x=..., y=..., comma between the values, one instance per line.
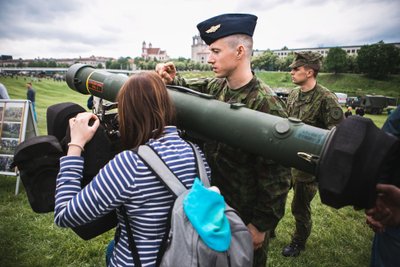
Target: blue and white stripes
x=126, y=180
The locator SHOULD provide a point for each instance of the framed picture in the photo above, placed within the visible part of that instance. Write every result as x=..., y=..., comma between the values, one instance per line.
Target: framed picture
x=16, y=125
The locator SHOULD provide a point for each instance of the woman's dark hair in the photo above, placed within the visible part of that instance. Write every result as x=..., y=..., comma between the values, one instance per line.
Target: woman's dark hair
x=144, y=109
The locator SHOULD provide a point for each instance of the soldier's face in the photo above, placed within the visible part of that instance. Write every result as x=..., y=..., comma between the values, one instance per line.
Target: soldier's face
x=222, y=58
x=300, y=75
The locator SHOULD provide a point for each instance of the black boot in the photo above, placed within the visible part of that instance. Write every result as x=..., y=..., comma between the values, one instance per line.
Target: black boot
x=292, y=250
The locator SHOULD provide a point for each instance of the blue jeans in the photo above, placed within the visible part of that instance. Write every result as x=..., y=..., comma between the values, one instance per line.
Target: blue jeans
x=34, y=111
x=386, y=248
x=109, y=251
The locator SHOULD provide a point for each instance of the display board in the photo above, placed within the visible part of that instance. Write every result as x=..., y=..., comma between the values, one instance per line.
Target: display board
x=16, y=124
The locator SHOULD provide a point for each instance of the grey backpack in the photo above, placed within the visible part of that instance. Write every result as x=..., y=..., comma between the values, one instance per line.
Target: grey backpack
x=182, y=246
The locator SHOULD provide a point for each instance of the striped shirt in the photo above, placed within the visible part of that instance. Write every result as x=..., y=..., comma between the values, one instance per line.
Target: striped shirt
x=127, y=181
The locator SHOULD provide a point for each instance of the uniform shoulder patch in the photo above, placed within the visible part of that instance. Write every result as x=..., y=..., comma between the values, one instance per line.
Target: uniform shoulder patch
x=336, y=113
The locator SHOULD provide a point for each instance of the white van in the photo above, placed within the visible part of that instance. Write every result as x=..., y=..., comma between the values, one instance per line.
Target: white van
x=341, y=98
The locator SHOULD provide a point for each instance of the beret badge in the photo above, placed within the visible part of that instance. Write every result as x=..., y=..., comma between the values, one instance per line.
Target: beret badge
x=213, y=28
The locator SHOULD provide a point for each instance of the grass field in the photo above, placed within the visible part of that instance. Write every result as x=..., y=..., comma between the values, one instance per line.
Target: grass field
x=339, y=237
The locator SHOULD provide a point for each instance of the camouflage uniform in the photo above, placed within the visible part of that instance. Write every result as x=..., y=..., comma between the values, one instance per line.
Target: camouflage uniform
x=318, y=107
x=256, y=187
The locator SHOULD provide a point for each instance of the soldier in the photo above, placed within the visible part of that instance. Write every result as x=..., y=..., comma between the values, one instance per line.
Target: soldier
x=256, y=187
x=317, y=106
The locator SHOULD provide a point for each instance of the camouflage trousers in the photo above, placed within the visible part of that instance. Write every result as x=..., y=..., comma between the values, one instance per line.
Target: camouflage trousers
x=304, y=193
x=261, y=254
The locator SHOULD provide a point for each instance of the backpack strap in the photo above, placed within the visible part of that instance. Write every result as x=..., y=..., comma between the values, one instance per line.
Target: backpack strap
x=131, y=241
x=166, y=175
x=161, y=170
x=201, y=168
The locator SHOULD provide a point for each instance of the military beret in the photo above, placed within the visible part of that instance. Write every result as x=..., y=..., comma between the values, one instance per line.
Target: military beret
x=227, y=24
x=307, y=58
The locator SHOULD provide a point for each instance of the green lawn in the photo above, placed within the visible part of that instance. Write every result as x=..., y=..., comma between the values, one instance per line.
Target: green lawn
x=339, y=237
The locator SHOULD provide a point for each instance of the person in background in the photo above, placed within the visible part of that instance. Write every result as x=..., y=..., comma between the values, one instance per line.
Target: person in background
x=146, y=116
x=384, y=217
x=31, y=95
x=348, y=112
x=255, y=186
x=317, y=106
x=360, y=111
x=3, y=92
x=89, y=103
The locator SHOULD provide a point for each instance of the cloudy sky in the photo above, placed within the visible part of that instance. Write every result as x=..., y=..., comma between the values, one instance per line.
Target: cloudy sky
x=113, y=28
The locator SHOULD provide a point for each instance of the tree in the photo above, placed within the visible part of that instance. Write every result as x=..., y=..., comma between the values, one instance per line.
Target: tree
x=20, y=64
x=267, y=61
x=108, y=64
x=284, y=63
x=123, y=63
x=336, y=61
x=180, y=65
x=378, y=60
x=352, y=65
x=52, y=64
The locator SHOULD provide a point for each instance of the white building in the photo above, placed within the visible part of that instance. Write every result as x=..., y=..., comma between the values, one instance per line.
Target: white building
x=351, y=50
x=152, y=53
x=200, y=50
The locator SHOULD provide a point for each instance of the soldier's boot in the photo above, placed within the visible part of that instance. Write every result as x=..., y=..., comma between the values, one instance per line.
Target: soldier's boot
x=293, y=249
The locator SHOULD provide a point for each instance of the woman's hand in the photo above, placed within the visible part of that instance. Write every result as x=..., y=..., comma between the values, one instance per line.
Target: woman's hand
x=82, y=129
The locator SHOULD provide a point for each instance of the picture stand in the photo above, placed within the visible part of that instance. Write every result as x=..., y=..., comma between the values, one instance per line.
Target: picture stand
x=17, y=124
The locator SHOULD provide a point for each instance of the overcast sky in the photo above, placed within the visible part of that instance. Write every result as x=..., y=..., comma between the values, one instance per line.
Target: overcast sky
x=113, y=28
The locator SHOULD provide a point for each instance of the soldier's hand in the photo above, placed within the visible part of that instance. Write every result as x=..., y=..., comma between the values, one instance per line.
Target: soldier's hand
x=167, y=71
x=258, y=237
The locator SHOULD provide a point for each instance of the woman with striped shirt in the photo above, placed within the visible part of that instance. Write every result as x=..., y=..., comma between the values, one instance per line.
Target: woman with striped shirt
x=146, y=116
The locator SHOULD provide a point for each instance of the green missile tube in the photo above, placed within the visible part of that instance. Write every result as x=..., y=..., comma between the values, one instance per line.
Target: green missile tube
x=347, y=160
x=288, y=141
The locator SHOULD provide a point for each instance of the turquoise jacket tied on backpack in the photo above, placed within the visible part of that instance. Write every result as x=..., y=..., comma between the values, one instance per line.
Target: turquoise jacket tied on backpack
x=205, y=209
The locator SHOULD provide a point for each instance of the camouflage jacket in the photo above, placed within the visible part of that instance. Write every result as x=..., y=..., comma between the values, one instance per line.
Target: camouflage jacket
x=318, y=107
x=256, y=187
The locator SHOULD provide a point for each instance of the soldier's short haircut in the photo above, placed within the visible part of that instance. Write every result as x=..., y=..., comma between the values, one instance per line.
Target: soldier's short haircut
x=241, y=39
x=315, y=73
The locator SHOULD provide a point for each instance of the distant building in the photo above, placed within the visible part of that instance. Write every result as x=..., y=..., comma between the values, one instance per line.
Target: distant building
x=93, y=61
x=200, y=50
x=151, y=53
x=351, y=50
x=6, y=57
